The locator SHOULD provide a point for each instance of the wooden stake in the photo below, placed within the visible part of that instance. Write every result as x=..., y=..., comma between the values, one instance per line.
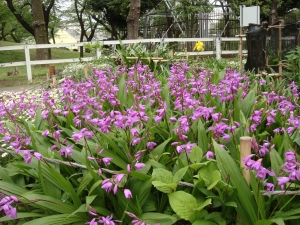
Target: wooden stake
x=51, y=70
x=245, y=150
x=86, y=71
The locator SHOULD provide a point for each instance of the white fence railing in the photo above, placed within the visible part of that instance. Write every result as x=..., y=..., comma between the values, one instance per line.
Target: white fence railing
x=28, y=63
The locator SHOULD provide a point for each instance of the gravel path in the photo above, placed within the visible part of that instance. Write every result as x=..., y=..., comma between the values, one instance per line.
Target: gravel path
x=16, y=88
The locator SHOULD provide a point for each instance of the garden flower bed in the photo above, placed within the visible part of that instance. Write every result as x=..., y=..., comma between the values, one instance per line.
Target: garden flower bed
x=127, y=146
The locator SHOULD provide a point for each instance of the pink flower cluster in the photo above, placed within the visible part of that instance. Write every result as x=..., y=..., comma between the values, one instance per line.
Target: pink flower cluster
x=6, y=205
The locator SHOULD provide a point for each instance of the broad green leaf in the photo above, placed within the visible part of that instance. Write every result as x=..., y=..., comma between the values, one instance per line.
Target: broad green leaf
x=278, y=221
x=58, y=180
x=38, y=118
x=95, y=185
x=184, y=204
x=84, y=183
x=216, y=177
x=158, y=218
x=202, y=137
x=162, y=175
x=82, y=208
x=260, y=201
x=156, y=164
x=69, y=120
x=140, y=189
x=49, y=188
x=11, y=189
x=4, y=175
x=164, y=187
x=179, y=174
x=122, y=95
x=48, y=202
x=201, y=205
x=196, y=155
x=130, y=98
x=21, y=216
x=90, y=199
x=160, y=148
x=246, y=207
x=197, y=166
x=248, y=102
x=59, y=219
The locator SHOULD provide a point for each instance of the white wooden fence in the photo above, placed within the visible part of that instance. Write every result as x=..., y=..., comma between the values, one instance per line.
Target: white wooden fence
x=28, y=63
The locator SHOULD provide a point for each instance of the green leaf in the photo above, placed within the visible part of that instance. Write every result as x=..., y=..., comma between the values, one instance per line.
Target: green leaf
x=48, y=202
x=264, y=222
x=248, y=102
x=278, y=221
x=197, y=166
x=202, y=137
x=140, y=188
x=38, y=118
x=231, y=204
x=56, y=220
x=160, y=148
x=58, y=180
x=122, y=95
x=184, y=204
x=196, y=155
x=179, y=174
x=162, y=175
x=4, y=175
x=164, y=187
x=204, y=222
x=246, y=207
x=130, y=98
x=201, y=205
x=158, y=218
x=216, y=177
x=95, y=185
x=69, y=120
x=84, y=183
x=90, y=199
x=21, y=216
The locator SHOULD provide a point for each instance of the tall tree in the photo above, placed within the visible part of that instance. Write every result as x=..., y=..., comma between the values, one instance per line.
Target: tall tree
x=18, y=7
x=39, y=27
x=133, y=19
x=114, y=14
x=269, y=9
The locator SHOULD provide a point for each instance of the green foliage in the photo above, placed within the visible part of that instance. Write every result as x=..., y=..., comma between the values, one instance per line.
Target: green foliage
x=293, y=65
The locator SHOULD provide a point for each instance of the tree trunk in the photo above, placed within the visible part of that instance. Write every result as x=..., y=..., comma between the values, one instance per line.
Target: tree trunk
x=133, y=19
x=273, y=17
x=40, y=33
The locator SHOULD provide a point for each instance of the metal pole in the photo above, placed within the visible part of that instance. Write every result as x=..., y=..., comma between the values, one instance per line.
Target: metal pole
x=218, y=48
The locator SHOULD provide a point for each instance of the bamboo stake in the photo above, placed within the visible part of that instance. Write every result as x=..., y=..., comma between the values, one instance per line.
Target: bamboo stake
x=85, y=68
x=245, y=150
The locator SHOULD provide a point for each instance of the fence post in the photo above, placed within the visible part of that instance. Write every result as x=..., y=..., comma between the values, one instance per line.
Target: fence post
x=218, y=48
x=245, y=150
x=28, y=64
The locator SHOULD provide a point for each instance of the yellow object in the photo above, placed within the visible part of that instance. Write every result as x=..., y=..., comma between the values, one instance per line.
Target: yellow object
x=199, y=46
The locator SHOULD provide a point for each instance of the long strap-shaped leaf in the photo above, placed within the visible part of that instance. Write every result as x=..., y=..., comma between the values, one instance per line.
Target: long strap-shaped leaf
x=246, y=207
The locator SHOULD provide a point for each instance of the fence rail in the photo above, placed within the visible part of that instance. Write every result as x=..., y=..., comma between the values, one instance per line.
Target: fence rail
x=28, y=62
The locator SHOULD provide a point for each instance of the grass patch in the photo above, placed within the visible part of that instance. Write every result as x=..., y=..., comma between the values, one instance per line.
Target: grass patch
x=38, y=72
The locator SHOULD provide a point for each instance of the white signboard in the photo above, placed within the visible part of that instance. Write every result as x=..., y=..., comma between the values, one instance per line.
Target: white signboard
x=249, y=15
